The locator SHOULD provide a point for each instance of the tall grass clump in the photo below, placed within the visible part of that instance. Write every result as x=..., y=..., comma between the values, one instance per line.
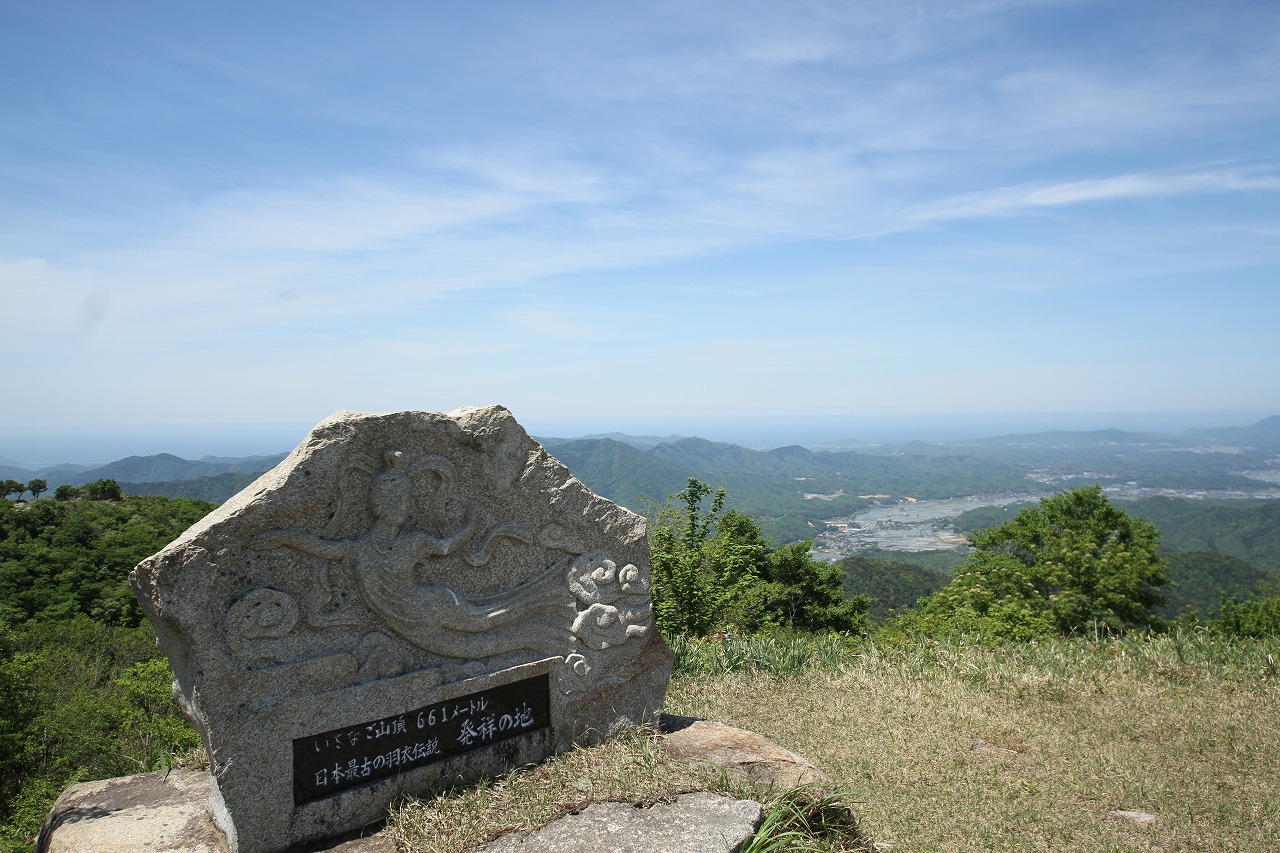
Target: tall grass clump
x=788, y=654
x=804, y=819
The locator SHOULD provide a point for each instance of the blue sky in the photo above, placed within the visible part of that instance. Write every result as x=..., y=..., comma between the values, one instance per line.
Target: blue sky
x=235, y=214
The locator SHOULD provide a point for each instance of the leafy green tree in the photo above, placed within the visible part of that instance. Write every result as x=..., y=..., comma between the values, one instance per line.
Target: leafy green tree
x=690, y=590
x=102, y=490
x=65, y=493
x=808, y=595
x=1071, y=563
x=715, y=569
x=78, y=701
x=891, y=582
x=13, y=487
x=36, y=487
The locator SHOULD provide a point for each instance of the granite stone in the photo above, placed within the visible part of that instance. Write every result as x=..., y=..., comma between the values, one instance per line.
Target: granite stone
x=695, y=823
x=408, y=601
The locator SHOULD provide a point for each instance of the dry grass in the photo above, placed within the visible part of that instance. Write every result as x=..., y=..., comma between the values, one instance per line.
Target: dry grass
x=965, y=747
x=629, y=769
x=951, y=746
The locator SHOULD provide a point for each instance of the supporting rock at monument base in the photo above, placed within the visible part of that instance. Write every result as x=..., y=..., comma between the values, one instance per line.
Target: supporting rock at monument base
x=153, y=811
x=694, y=823
x=169, y=812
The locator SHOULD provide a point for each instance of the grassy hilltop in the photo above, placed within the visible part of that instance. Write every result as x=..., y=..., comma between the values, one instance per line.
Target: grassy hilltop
x=935, y=739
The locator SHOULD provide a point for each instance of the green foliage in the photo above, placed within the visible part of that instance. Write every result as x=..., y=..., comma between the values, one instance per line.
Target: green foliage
x=1256, y=617
x=84, y=692
x=1249, y=530
x=715, y=570
x=691, y=589
x=62, y=558
x=804, y=594
x=36, y=487
x=102, y=490
x=1074, y=562
x=892, y=585
x=1200, y=580
x=78, y=700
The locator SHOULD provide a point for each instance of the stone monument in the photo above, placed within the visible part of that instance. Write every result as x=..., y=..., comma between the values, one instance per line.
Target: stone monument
x=408, y=601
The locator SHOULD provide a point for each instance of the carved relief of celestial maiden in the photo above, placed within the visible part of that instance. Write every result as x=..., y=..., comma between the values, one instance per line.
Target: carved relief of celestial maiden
x=578, y=605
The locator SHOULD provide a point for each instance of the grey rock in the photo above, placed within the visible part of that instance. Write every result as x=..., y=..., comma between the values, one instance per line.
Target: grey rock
x=408, y=601
x=152, y=811
x=694, y=823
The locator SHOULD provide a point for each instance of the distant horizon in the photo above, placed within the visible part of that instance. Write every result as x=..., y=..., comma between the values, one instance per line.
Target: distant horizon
x=63, y=444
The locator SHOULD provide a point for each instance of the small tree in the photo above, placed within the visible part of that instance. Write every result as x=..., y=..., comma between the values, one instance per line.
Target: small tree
x=808, y=595
x=1073, y=562
x=102, y=490
x=36, y=487
x=65, y=493
x=714, y=569
x=690, y=590
x=13, y=487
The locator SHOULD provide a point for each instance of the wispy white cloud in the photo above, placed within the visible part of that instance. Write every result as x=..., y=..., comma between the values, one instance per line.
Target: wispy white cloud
x=1006, y=201
x=506, y=186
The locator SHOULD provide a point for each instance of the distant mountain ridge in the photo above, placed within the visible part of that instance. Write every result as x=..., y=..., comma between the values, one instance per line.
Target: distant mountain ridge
x=217, y=489
x=793, y=489
x=640, y=442
x=789, y=489
x=157, y=468
x=1264, y=433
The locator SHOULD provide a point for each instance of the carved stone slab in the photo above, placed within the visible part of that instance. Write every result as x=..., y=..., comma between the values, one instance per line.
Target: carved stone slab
x=409, y=600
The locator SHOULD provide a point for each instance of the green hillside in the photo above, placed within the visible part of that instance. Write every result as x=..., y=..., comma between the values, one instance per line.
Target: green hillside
x=217, y=489
x=1199, y=580
x=1249, y=530
x=63, y=558
x=620, y=472
x=892, y=585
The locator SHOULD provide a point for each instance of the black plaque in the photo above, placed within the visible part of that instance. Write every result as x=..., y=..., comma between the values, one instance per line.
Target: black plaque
x=331, y=762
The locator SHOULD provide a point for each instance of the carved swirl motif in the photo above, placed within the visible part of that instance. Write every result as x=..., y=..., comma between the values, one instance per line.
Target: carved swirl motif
x=613, y=601
x=262, y=614
x=600, y=626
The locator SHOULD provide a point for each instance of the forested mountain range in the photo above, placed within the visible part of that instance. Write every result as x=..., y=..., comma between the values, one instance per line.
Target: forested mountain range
x=793, y=489
x=87, y=693
x=159, y=468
